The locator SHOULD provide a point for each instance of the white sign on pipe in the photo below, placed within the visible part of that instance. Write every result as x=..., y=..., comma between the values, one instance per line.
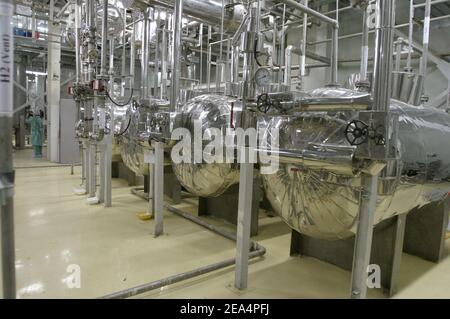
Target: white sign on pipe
x=6, y=60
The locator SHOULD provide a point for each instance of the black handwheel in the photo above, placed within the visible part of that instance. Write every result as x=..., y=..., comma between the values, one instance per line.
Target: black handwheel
x=356, y=132
x=264, y=103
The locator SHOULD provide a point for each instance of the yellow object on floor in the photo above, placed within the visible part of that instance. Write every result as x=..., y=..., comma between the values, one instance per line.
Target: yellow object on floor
x=448, y=235
x=145, y=216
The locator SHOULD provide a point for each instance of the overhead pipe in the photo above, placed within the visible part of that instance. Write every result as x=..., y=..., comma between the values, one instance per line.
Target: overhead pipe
x=176, y=54
x=208, y=12
x=6, y=162
x=383, y=54
x=335, y=34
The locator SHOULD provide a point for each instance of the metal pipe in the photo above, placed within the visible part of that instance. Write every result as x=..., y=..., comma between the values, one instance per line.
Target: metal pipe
x=132, y=53
x=257, y=251
x=426, y=41
x=6, y=163
x=282, y=44
x=157, y=60
x=419, y=5
x=353, y=35
x=77, y=41
x=310, y=12
x=145, y=55
x=124, y=52
x=364, y=48
x=200, y=38
x=164, y=62
x=302, y=72
x=104, y=38
x=383, y=54
x=176, y=54
x=410, y=34
x=398, y=57
x=334, y=56
x=288, y=68
x=208, y=12
x=219, y=61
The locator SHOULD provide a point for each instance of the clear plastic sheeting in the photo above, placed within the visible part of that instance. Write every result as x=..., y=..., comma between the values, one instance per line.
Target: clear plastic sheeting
x=120, y=116
x=135, y=129
x=317, y=200
x=213, y=111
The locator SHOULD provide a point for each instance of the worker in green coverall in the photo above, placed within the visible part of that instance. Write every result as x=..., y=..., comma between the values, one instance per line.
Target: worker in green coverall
x=37, y=132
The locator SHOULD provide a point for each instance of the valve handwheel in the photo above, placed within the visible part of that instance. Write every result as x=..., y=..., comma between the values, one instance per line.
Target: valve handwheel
x=264, y=103
x=356, y=132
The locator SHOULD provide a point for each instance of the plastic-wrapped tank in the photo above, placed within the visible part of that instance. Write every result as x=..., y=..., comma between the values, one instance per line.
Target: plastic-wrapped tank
x=135, y=132
x=320, y=201
x=214, y=111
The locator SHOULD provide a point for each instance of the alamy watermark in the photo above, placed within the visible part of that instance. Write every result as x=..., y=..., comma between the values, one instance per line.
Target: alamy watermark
x=73, y=281
x=214, y=145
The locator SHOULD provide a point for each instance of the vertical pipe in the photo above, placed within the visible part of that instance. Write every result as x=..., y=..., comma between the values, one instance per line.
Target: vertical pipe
x=244, y=222
x=158, y=189
x=288, y=66
x=282, y=46
x=364, y=235
x=104, y=38
x=6, y=164
x=163, y=92
x=303, y=46
x=176, y=54
x=364, y=48
x=145, y=55
x=124, y=42
x=201, y=54
x=219, y=60
x=208, y=72
x=335, y=48
x=410, y=34
x=132, y=53
x=77, y=41
x=426, y=40
x=383, y=54
x=157, y=59
x=398, y=56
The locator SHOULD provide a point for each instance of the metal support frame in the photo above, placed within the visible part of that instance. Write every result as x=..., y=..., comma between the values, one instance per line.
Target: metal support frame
x=363, y=242
x=158, y=189
x=244, y=222
x=6, y=165
x=53, y=87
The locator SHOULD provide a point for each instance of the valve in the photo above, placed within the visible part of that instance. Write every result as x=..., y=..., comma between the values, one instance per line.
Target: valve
x=264, y=103
x=357, y=132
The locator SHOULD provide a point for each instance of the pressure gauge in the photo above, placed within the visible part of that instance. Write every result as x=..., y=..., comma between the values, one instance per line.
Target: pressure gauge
x=263, y=77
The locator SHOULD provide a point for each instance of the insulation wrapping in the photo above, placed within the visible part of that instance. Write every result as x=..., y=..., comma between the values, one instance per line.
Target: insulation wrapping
x=135, y=129
x=316, y=199
x=212, y=111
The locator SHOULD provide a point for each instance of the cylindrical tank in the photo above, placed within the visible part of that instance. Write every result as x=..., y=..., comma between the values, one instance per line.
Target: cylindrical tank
x=134, y=133
x=212, y=111
x=321, y=202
